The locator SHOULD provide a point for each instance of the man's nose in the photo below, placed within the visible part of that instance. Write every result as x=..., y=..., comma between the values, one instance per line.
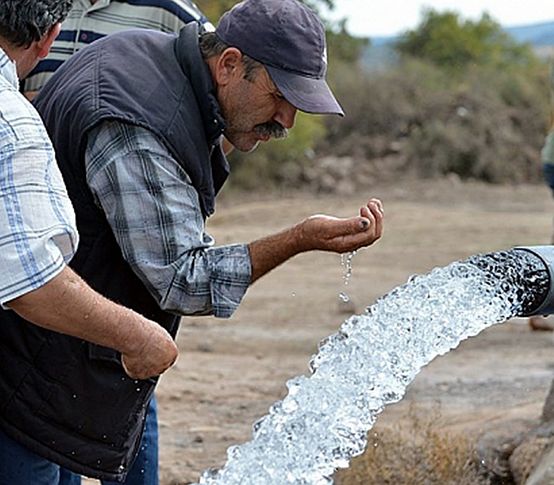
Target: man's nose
x=286, y=114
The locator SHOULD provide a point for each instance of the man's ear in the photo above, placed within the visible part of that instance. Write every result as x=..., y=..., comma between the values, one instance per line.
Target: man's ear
x=228, y=66
x=46, y=42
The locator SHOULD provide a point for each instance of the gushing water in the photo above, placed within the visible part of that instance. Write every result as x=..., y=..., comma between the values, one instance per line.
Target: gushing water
x=323, y=421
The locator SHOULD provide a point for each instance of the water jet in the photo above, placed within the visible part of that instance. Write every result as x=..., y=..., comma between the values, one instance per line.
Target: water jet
x=323, y=421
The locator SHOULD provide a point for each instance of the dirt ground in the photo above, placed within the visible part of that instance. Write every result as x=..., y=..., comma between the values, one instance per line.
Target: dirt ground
x=230, y=372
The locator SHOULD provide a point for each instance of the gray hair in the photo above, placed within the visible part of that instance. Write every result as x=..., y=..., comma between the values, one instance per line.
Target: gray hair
x=23, y=22
x=211, y=45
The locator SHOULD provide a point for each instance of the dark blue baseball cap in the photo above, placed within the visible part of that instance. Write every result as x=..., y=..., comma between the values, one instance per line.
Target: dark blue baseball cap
x=288, y=38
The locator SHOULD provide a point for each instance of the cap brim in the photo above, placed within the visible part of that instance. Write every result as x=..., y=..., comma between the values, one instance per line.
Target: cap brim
x=304, y=93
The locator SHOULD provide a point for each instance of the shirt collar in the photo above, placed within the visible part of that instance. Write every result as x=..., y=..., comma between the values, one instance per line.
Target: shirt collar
x=8, y=70
x=100, y=4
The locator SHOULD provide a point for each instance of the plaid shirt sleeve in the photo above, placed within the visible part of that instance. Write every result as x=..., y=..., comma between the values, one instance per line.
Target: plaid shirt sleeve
x=155, y=215
x=37, y=223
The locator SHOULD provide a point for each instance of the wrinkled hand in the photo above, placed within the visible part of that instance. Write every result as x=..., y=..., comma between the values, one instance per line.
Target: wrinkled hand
x=155, y=354
x=343, y=235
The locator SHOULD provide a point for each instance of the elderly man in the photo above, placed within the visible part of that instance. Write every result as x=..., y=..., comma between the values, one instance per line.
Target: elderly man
x=137, y=120
x=39, y=294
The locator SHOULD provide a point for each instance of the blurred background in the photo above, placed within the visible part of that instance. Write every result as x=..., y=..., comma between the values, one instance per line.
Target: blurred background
x=429, y=91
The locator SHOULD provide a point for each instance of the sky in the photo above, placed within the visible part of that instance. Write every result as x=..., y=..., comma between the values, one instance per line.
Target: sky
x=371, y=18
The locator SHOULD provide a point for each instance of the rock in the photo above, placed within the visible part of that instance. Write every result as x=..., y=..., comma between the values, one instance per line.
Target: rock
x=525, y=458
x=529, y=454
x=544, y=472
x=326, y=183
x=495, y=447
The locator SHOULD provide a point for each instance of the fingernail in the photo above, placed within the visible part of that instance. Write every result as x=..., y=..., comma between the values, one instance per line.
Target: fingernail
x=364, y=223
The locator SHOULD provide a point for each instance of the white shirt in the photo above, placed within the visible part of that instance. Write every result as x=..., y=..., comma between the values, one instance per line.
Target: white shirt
x=38, y=235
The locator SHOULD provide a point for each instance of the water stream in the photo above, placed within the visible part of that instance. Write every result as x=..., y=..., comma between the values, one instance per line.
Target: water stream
x=323, y=421
x=346, y=263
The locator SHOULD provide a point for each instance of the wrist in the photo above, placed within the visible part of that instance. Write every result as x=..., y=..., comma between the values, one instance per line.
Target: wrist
x=133, y=333
x=299, y=237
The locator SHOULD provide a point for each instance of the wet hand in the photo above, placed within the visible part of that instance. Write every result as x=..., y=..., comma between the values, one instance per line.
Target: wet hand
x=157, y=353
x=343, y=235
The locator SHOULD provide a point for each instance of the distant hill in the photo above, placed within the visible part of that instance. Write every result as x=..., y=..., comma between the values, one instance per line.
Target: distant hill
x=541, y=36
x=537, y=35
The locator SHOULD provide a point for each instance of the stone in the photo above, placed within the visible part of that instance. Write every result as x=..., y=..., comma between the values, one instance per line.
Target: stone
x=525, y=458
x=494, y=448
x=544, y=472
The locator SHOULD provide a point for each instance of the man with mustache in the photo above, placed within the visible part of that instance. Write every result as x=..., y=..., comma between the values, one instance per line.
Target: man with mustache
x=137, y=119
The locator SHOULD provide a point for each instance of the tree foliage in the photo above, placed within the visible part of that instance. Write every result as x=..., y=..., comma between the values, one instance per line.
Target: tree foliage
x=213, y=9
x=417, y=119
x=449, y=41
x=343, y=47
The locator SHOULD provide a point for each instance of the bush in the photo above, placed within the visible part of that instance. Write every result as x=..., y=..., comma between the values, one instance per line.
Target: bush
x=453, y=43
x=416, y=453
x=484, y=124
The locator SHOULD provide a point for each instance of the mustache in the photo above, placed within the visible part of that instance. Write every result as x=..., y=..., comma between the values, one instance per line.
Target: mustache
x=272, y=129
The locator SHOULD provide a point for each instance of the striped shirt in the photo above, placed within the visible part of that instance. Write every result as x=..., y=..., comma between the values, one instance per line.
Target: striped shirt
x=37, y=222
x=155, y=214
x=88, y=21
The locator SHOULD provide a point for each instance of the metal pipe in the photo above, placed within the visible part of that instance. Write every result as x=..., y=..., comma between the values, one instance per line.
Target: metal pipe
x=546, y=255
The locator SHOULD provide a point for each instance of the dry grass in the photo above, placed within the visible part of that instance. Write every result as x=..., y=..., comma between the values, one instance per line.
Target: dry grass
x=414, y=452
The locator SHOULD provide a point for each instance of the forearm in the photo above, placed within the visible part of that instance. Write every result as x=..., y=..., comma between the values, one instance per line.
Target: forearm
x=66, y=304
x=271, y=251
x=317, y=232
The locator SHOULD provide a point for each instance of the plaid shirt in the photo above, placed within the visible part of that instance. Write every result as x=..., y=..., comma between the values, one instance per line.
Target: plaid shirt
x=155, y=214
x=37, y=222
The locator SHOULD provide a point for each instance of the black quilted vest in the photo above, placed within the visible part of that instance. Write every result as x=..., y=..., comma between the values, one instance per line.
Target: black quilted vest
x=63, y=398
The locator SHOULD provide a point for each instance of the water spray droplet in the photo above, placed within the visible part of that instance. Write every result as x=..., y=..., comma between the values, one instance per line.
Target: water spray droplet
x=344, y=297
x=346, y=263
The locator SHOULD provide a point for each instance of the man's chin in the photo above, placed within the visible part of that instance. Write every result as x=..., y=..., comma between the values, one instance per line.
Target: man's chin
x=245, y=144
x=253, y=147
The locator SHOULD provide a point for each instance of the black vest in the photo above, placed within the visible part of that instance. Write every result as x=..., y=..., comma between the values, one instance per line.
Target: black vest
x=63, y=398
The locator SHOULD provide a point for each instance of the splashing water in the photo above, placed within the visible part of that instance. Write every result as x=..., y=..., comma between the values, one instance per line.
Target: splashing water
x=323, y=421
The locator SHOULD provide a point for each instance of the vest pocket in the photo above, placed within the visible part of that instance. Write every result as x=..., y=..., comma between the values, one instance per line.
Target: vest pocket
x=97, y=352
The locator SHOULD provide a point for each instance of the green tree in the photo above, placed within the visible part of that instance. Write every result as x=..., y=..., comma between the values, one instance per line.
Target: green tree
x=213, y=9
x=342, y=46
x=449, y=41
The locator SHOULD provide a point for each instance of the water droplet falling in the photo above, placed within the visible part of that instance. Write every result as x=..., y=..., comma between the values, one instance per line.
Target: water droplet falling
x=344, y=297
x=346, y=263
